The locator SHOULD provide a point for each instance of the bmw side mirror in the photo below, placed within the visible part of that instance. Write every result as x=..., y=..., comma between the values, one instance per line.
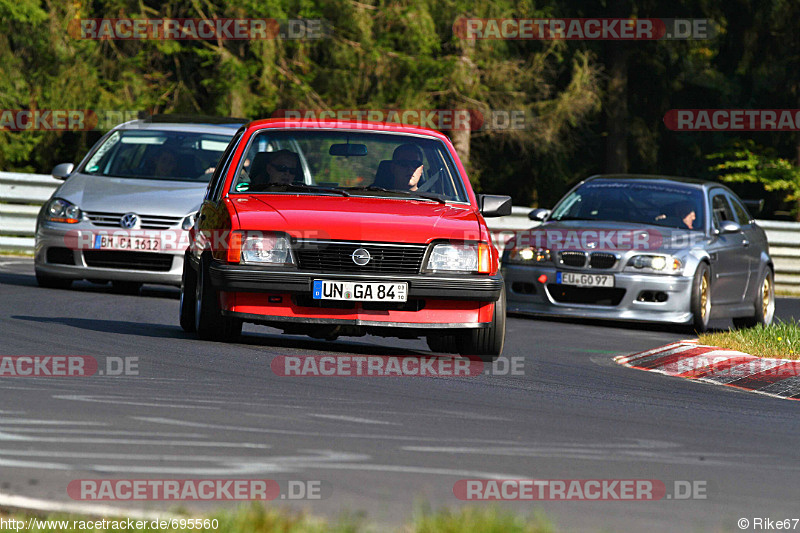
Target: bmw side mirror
x=539, y=214
x=494, y=205
x=729, y=226
x=62, y=171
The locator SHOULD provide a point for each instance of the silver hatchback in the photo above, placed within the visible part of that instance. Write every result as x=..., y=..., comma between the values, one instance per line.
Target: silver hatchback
x=643, y=248
x=124, y=213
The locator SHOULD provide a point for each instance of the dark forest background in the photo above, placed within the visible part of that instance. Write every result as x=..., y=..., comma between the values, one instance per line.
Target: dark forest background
x=591, y=106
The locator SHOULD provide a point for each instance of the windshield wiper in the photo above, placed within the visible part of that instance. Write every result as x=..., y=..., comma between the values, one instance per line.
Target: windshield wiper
x=575, y=218
x=411, y=194
x=299, y=187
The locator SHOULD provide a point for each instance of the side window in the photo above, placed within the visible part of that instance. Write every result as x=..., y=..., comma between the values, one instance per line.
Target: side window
x=215, y=185
x=742, y=216
x=721, y=209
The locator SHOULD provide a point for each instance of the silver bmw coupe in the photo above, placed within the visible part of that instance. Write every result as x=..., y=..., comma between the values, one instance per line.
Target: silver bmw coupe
x=643, y=248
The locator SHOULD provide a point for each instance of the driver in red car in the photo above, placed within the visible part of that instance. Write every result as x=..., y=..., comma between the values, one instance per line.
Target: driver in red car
x=407, y=167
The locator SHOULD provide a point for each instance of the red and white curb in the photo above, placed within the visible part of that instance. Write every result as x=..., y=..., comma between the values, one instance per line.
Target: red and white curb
x=711, y=364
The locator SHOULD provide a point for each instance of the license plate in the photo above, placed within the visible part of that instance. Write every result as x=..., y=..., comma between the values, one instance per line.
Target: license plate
x=360, y=292
x=122, y=242
x=585, y=280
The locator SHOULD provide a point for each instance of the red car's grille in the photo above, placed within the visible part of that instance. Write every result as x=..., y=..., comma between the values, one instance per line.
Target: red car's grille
x=322, y=256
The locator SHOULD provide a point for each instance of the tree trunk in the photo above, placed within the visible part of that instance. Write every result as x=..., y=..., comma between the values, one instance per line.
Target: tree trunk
x=617, y=109
x=461, y=138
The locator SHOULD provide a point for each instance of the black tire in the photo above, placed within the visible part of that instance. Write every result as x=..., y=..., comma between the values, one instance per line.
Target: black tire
x=50, y=282
x=442, y=343
x=188, y=290
x=764, y=304
x=701, y=298
x=486, y=343
x=126, y=287
x=210, y=324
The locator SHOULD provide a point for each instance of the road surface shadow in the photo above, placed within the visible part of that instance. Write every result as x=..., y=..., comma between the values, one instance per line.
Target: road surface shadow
x=264, y=340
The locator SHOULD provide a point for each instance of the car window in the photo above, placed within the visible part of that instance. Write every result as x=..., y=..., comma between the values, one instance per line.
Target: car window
x=742, y=216
x=221, y=171
x=660, y=204
x=358, y=163
x=153, y=154
x=721, y=209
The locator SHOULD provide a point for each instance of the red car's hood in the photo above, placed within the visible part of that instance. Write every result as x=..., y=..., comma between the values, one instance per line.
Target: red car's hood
x=356, y=218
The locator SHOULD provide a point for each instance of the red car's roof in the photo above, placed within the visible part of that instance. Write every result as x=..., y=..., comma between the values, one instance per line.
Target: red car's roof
x=362, y=125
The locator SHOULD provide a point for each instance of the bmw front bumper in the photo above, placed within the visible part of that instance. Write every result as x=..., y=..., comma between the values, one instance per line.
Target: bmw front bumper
x=634, y=297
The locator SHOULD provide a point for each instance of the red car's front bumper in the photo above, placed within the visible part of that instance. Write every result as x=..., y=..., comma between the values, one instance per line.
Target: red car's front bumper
x=263, y=294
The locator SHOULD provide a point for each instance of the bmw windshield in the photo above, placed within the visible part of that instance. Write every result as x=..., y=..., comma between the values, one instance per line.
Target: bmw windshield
x=666, y=205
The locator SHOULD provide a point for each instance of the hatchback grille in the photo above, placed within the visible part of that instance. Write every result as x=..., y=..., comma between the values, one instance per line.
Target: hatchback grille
x=111, y=220
x=602, y=260
x=128, y=260
x=573, y=259
x=338, y=257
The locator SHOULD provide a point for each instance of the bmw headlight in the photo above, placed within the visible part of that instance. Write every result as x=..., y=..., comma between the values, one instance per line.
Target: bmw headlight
x=459, y=258
x=270, y=248
x=656, y=263
x=58, y=210
x=529, y=255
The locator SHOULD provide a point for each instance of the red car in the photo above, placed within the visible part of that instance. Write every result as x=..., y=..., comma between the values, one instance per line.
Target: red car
x=344, y=228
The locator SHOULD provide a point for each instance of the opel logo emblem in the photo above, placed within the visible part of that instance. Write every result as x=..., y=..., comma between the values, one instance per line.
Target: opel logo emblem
x=129, y=221
x=361, y=257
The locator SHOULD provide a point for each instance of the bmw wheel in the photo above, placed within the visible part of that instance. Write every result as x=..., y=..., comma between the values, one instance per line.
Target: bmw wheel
x=764, y=304
x=701, y=298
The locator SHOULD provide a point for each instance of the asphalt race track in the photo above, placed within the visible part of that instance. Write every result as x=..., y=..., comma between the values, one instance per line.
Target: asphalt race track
x=382, y=445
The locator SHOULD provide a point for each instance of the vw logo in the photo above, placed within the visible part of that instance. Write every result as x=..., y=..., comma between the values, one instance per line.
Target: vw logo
x=129, y=221
x=361, y=257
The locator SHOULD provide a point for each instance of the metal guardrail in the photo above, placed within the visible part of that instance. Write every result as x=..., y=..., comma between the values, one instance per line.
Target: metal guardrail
x=21, y=196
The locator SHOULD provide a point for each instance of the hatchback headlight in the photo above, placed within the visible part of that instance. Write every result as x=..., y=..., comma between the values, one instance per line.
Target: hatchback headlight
x=656, y=263
x=460, y=258
x=58, y=210
x=269, y=248
x=188, y=222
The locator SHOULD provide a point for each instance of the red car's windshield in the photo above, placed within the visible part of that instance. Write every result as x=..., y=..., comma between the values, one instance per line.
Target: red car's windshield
x=351, y=162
